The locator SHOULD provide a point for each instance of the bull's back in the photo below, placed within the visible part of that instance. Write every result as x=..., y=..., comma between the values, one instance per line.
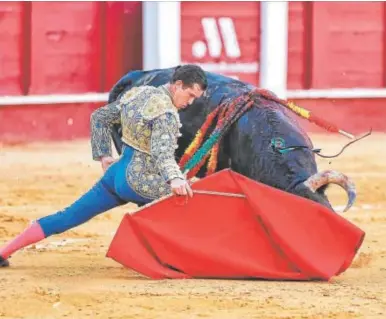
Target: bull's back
x=139, y=78
x=218, y=85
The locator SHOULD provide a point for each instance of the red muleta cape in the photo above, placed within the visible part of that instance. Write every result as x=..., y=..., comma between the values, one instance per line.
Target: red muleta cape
x=263, y=233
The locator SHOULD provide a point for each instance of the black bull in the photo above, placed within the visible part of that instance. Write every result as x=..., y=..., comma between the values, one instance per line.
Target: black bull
x=247, y=147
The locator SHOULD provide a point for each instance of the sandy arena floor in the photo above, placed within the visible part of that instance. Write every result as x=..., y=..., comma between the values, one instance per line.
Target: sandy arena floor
x=68, y=276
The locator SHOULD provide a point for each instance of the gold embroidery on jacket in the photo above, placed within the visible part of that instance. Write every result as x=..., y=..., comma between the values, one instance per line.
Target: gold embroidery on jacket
x=147, y=174
x=138, y=109
x=150, y=124
x=101, y=121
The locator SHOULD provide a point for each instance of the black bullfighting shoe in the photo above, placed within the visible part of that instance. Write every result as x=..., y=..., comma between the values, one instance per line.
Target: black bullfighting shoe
x=3, y=262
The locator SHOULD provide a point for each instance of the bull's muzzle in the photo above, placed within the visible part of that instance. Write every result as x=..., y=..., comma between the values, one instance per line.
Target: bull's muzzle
x=322, y=178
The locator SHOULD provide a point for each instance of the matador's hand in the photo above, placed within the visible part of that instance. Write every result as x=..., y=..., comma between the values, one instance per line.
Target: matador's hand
x=181, y=187
x=107, y=161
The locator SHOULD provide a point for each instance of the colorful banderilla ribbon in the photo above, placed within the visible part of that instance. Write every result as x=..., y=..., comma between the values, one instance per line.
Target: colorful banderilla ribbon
x=306, y=114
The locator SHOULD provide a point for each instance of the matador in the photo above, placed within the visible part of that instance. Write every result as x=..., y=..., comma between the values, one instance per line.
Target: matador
x=146, y=170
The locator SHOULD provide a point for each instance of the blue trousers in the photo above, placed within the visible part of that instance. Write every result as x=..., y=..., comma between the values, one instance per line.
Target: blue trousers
x=110, y=191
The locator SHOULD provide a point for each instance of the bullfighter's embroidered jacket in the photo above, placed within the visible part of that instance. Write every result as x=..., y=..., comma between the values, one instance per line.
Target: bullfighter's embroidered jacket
x=150, y=124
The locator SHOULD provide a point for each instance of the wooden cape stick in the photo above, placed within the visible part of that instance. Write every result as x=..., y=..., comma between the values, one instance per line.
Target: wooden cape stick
x=195, y=191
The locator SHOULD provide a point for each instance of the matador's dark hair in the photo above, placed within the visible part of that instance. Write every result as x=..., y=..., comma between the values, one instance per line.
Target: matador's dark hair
x=190, y=74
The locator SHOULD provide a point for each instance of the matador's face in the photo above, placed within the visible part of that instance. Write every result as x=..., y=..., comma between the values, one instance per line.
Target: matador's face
x=184, y=95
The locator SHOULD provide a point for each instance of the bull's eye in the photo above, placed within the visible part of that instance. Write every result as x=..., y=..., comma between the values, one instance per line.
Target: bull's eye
x=278, y=142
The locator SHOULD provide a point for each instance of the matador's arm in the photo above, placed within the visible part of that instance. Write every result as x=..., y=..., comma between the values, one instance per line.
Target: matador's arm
x=164, y=144
x=102, y=120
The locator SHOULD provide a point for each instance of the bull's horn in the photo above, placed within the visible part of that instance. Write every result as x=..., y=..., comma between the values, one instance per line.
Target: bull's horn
x=322, y=178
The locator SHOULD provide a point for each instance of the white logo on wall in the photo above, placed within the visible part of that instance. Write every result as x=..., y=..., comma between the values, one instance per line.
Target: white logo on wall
x=215, y=31
x=212, y=35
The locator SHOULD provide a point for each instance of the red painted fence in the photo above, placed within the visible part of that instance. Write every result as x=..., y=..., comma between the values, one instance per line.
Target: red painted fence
x=67, y=47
